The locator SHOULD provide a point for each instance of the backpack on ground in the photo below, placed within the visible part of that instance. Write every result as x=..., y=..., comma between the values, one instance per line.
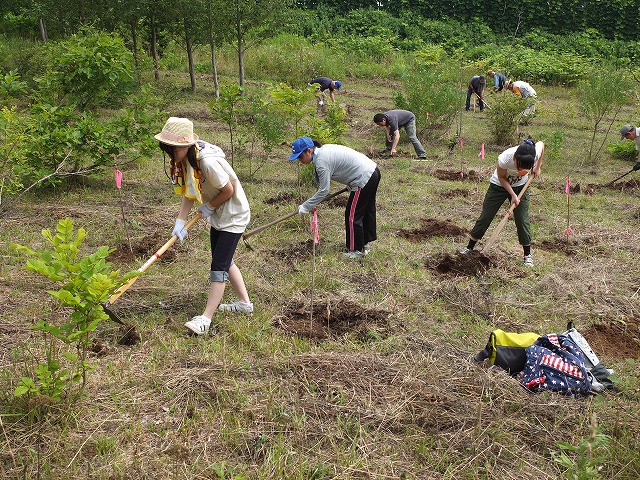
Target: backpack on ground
x=556, y=363
x=598, y=373
x=507, y=350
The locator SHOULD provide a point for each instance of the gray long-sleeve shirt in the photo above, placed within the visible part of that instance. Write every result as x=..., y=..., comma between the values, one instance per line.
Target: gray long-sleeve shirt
x=342, y=164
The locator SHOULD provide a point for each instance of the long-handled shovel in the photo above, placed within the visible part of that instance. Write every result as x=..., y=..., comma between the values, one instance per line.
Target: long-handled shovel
x=496, y=232
x=250, y=234
x=616, y=179
x=143, y=269
x=482, y=100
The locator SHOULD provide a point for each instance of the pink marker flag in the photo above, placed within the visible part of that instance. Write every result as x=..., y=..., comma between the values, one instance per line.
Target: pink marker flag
x=314, y=226
x=568, y=231
x=567, y=187
x=461, y=143
x=481, y=155
x=118, y=179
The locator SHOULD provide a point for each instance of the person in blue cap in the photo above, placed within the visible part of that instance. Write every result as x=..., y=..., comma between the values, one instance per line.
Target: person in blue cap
x=356, y=171
x=326, y=84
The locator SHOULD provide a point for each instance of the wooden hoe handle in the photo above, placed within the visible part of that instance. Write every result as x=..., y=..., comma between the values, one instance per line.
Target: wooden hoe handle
x=496, y=232
x=282, y=219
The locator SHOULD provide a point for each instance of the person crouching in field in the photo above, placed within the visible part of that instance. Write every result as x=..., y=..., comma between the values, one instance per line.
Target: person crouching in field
x=511, y=174
x=200, y=172
x=356, y=171
x=325, y=83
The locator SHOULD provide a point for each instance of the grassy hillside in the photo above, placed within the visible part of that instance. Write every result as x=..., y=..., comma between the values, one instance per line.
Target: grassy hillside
x=377, y=382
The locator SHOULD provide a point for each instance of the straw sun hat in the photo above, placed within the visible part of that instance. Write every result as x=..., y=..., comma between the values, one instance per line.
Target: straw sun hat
x=177, y=132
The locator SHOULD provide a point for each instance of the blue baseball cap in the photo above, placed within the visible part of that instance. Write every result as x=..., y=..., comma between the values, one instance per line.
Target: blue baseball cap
x=338, y=84
x=299, y=146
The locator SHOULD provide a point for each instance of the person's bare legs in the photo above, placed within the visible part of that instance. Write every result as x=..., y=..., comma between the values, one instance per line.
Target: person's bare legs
x=237, y=283
x=213, y=300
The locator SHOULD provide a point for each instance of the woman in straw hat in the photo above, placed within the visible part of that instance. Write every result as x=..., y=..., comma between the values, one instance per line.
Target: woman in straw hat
x=200, y=172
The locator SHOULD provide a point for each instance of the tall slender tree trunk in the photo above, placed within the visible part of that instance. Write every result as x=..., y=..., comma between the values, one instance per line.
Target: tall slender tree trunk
x=134, y=43
x=154, y=49
x=240, y=51
x=43, y=30
x=212, y=43
x=192, y=73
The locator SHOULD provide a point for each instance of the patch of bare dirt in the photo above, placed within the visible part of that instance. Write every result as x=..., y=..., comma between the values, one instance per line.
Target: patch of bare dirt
x=471, y=175
x=432, y=227
x=339, y=201
x=566, y=245
x=473, y=264
x=144, y=247
x=332, y=318
x=615, y=340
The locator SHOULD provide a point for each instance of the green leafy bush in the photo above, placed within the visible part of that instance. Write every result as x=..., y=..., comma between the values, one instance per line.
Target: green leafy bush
x=623, y=150
x=431, y=92
x=504, y=115
x=89, y=69
x=85, y=283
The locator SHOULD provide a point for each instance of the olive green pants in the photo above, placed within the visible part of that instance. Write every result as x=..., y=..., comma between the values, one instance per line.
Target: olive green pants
x=493, y=200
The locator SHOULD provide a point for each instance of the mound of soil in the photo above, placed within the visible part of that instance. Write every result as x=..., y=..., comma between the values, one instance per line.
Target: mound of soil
x=331, y=319
x=471, y=175
x=565, y=245
x=456, y=192
x=623, y=186
x=146, y=247
x=588, y=189
x=281, y=198
x=432, y=228
x=615, y=340
x=473, y=264
x=294, y=253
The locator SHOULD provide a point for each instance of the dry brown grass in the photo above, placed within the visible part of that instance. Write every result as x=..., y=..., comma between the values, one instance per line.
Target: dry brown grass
x=379, y=383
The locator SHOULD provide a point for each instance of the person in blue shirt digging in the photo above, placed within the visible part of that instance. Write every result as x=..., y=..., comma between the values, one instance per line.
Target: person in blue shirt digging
x=356, y=171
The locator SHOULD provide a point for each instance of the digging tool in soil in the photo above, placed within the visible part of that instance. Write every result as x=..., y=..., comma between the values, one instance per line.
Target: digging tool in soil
x=496, y=232
x=621, y=176
x=143, y=269
x=250, y=234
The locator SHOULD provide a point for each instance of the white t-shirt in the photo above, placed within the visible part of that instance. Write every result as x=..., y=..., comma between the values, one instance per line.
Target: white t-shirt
x=234, y=214
x=637, y=139
x=506, y=161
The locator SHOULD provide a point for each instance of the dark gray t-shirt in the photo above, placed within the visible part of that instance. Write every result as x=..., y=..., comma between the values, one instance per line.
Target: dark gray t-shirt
x=398, y=118
x=324, y=82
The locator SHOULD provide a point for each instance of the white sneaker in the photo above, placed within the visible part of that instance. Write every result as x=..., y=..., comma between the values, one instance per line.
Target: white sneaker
x=465, y=251
x=355, y=254
x=236, y=307
x=199, y=325
x=367, y=248
x=528, y=261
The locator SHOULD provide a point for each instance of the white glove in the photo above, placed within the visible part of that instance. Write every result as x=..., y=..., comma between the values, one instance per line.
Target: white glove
x=321, y=103
x=179, y=230
x=206, y=210
x=302, y=210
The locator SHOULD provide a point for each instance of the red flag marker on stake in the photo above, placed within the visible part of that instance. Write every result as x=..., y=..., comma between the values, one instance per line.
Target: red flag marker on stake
x=461, y=143
x=481, y=154
x=119, y=176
